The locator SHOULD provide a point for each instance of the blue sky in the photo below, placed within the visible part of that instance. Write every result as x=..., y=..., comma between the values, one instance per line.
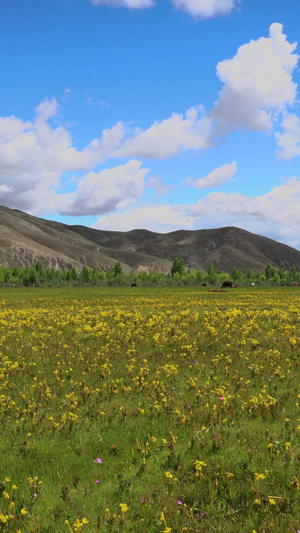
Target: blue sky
x=161, y=114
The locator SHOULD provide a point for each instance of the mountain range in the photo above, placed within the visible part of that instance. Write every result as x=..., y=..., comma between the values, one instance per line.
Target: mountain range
x=25, y=239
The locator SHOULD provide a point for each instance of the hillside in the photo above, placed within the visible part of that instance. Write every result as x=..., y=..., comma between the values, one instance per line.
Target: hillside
x=25, y=239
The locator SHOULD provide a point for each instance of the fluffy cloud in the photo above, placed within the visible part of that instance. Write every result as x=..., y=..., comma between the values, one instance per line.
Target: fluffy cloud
x=257, y=83
x=257, y=87
x=158, y=186
x=205, y=8
x=216, y=177
x=131, y=4
x=170, y=136
x=161, y=218
x=105, y=191
x=33, y=156
x=257, y=90
x=289, y=140
x=12, y=127
x=275, y=214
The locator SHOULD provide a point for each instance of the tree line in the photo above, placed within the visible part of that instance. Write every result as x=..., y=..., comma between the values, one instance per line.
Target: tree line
x=179, y=275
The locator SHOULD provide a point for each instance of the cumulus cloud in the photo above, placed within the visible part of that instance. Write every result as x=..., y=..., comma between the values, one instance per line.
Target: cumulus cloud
x=257, y=83
x=257, y=88
x=289, y=139
x=12, y=127
x=275, y=213
x=206, y=8
x=170, y=136
x=161, y=218
x=158, y=186
x=131, y=4
x=105, y=191
x=216, y=177
x=281, y=204
x=34, y=155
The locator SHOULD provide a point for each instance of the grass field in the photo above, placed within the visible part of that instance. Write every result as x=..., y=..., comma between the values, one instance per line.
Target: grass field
x=150, y=410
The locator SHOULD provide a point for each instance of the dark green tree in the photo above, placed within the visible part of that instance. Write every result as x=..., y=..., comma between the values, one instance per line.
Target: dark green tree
x=293, y=273
x=270, y=271
x=282, y=271
x=178, y=267
x=39, y=268
x=237, y=274
x=212, y=274
x=250, y=274
x=117, y=270
x=85, y=274
x=74, y=274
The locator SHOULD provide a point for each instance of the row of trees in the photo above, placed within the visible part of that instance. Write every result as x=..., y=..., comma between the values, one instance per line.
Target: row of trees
x=179, y=275
x=271, y=275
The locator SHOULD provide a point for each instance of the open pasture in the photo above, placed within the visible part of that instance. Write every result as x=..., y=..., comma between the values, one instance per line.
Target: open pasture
x=149, y=410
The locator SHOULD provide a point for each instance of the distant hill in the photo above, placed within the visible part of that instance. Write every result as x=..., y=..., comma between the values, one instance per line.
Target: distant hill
x=25, y=239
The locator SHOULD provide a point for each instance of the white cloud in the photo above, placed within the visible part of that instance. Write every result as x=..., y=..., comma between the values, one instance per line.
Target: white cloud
x=170, y=136
x=257, y=90
x=280, y=205
x=105, y=191
x=257, y=87
x=289, y=140
x=206, y=8
x=215, y=178
x=275, y=214
x=47, y=109
x=131, y=4
x=34, y=155
x=161, y=218
x=196, y=8
x=257, y=83
x=11, y=127
x=158, y=186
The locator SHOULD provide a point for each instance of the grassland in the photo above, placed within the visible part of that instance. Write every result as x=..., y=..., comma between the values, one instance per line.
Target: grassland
x=149, y=410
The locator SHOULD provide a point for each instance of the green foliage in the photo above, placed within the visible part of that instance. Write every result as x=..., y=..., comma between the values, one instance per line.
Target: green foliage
x=38, y=276
x=177, y=267
x=270, y=271
x=237, y=274
x=85, y=274
x=117, y=270
x=121, y=411
x=212, y=274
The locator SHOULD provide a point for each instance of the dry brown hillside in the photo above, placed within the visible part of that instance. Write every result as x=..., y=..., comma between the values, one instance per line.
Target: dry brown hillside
x=25, y=239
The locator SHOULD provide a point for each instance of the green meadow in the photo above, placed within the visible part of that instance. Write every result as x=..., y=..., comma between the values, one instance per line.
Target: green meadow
x=150, y=410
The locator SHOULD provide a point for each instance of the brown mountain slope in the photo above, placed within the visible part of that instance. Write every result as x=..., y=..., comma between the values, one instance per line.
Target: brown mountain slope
x=25, y=239
x=226, y=247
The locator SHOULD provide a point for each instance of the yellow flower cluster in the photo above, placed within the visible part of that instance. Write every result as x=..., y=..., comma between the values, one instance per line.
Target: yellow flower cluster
x=192, y=398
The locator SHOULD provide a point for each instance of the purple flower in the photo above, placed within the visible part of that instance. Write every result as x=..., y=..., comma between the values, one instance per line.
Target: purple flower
x=179, y=502
x=97, y=481
x=220, y=397
x=98, y=460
